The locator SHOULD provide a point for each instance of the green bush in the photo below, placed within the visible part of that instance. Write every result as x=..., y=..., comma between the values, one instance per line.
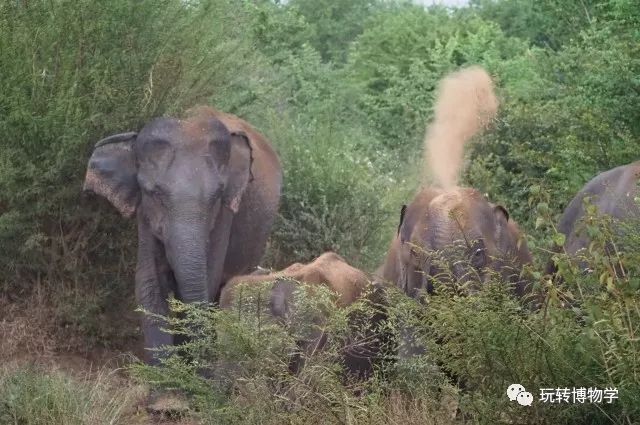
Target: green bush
x=236, y=368
x=568, y=119
x=403, y=53
x=72, y=73
x=336, y=196
x=582, y=335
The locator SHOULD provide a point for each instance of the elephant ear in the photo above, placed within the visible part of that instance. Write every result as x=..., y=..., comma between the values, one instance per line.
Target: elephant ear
x=403, y=211
x=240, y=173
x=501, y=217
x=407, y=223
x=112, y=173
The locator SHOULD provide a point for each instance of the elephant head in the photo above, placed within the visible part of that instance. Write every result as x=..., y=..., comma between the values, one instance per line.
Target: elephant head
x=179, y=177
x=457, y=235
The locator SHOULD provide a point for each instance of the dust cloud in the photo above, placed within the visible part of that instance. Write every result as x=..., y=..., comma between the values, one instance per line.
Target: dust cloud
x=465, y=104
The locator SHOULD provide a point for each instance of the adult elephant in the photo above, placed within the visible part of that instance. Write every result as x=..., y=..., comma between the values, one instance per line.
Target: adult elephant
x=449, y=232
x=205, y=192
x=349, y=284
x=454, y=235
x=613, y=193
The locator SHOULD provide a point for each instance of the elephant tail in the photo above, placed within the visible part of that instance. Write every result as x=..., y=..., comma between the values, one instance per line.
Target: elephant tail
x=465, y=105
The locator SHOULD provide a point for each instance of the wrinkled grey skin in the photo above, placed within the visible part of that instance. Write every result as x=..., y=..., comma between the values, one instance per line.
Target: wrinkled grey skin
x=612, y=193
x=205, y=192
x=438, y=221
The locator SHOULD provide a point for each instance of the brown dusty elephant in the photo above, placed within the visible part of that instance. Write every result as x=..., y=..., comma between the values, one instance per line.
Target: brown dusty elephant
x=474, y=236
x=613, y=193
x=445, y=220
x=329, y=269
x=452, y=236
x=205, y=191
x=333, y=272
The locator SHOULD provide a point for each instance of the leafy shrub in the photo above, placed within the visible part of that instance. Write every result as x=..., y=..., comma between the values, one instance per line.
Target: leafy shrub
x=476, y=346
x=236, y=370
x=336, y=196
x=404, y=52
x=74, y=72
x=570, y=120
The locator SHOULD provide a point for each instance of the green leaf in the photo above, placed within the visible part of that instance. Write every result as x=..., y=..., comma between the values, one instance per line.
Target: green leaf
x=559, y=239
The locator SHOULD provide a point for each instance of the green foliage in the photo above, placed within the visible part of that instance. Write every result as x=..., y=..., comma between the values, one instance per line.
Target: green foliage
x=335, y=196
x=581, y=335
x=555, y=23
x=343, y=89
x=238, y=368
x=74, y=72
x=334, y=24
x=574, y=122
x=405, y=51
x=31, y=396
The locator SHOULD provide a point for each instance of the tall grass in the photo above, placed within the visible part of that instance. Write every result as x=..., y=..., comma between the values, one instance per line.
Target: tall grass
x=33, y=396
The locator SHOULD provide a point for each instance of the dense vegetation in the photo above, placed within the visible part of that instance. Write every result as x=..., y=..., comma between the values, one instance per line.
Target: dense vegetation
x=343, y=88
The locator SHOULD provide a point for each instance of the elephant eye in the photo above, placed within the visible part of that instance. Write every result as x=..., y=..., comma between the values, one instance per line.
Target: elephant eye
x=216, y=194
x=154, y=190
x=478, y=257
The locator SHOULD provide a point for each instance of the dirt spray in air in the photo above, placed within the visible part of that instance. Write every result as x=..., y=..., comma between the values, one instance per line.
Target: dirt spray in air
x=465, y=104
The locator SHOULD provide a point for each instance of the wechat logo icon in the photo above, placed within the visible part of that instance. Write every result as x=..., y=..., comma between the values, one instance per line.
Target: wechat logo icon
x=516, y=392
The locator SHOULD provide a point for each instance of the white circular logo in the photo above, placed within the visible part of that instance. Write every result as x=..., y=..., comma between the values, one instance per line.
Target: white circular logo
x=514, y=390
x=524, y=398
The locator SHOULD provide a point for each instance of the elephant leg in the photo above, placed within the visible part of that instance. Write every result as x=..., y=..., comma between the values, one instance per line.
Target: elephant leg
x=151, y=293
x=249, y=233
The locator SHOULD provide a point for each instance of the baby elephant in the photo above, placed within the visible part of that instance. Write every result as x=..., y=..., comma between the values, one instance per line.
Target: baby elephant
x=331, y=271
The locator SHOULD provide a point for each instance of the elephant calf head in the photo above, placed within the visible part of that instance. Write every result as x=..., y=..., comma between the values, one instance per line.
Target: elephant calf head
x=456, y=236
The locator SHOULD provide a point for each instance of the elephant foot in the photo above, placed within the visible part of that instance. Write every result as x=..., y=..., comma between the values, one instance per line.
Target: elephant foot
x=165, y=404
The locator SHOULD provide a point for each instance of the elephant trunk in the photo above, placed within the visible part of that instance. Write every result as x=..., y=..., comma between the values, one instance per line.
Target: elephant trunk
x=187, y=254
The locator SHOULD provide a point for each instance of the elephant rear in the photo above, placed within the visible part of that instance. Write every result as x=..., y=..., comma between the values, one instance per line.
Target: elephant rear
x=613, y=193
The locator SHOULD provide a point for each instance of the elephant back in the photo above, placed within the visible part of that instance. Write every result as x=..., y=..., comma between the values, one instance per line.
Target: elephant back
x=612, y=192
